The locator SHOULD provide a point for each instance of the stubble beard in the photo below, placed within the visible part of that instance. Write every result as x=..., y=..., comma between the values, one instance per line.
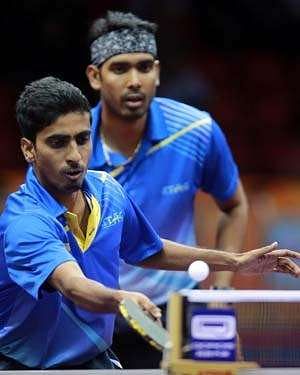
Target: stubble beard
x=127, y=114
x=73, y=186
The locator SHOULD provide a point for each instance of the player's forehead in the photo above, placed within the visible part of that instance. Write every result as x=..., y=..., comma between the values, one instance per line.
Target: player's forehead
x=69, y=124
x=129, y=58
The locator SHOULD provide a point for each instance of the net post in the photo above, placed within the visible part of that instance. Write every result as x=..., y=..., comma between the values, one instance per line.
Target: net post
x=174, y=325
x=175, y=364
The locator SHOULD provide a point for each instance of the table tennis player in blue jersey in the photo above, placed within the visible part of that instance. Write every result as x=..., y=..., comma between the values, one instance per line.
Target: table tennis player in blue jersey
x=162, y=152
x=62, y=235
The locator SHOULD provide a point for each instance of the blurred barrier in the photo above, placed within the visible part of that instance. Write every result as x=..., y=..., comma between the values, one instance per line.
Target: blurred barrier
x=9, y=182
x=274, y=215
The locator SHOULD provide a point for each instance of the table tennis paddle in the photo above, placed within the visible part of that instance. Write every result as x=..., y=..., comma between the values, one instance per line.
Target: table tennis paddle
x=148, y=328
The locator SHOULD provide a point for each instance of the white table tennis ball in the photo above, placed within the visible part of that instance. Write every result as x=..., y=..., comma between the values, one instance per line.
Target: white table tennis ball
x=198, y=270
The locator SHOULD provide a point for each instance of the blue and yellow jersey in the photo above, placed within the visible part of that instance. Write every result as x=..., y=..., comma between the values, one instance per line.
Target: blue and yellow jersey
x=183, y=151
x=39, y=327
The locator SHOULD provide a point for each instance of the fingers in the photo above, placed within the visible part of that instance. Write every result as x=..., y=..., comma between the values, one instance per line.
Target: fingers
x=146, y=304
x=286, y=265
x=266, y=259
x=152, y=309
x=285, y=253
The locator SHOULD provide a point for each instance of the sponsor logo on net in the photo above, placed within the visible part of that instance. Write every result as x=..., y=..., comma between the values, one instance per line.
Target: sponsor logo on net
x=213, y=336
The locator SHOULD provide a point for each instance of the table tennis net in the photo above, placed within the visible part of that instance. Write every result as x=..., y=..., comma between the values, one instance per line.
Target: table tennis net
x=268, y=322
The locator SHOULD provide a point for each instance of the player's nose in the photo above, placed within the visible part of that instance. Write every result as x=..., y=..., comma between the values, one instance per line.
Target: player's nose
x=134, y=80
x=73, y=154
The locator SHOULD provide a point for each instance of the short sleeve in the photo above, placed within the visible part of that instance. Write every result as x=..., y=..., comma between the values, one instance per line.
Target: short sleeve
x=220, y=174
x=33, y=248
x=139, y=240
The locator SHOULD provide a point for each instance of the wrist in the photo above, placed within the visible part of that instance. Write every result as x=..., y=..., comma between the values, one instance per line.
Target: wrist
x=234, y=262
x=119, y=295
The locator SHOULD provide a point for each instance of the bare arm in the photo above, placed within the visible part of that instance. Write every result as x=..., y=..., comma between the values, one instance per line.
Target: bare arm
x=178, y=257
x=231, y=230
x=68, y=279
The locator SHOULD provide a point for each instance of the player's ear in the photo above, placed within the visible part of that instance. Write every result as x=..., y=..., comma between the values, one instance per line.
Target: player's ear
x=157, y=72
x=27, y=148
x=93, y=75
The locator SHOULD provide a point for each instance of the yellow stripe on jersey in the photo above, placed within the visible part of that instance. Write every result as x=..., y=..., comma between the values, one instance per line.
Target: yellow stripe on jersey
x=171, y=138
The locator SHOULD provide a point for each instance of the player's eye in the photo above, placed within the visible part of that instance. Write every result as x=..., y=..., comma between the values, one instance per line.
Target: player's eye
x=145, y=66
x=119, y=68
x=57, y=142
x=83, y=138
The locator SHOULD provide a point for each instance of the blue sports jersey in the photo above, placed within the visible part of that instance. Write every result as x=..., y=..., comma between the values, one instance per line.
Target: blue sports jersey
x=183, y=150
x=38, y=327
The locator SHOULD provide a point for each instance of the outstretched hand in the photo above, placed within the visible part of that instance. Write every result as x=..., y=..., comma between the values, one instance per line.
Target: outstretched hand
x=269, y=259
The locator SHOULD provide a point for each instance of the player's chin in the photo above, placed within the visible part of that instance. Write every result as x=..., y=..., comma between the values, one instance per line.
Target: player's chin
x=135, y=113
x=73, y=186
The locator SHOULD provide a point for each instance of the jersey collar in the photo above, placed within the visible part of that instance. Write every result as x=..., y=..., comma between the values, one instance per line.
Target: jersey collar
x=155, y=132
x=38, y=192
x=35, y=189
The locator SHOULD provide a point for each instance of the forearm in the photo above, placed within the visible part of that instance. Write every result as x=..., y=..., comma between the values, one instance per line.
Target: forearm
x=230, y=235
x=178, y=257
x=69, y=279
x=91, y=295
x=86, y=293
x=231, y=229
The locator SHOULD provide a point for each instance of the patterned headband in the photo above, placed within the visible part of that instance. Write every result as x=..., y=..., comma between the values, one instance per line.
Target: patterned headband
x=121, y=41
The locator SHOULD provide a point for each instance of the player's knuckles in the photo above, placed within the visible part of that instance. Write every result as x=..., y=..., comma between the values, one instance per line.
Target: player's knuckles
x=142, y=300
x=275, y=253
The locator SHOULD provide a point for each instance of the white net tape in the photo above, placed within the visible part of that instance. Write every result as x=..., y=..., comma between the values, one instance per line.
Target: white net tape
x=236, y=296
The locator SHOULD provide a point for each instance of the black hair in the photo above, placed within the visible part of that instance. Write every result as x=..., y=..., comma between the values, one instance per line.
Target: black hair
x=118, y=20
x=43, y=101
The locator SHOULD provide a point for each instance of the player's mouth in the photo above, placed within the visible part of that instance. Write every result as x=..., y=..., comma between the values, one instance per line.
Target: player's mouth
x=135, y=100
x=73, y=174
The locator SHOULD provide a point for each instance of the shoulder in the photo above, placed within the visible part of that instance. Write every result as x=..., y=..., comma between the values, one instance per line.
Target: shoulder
x=97, y=177
x=188, y=122
x=105, y=181
x=108, y=192
x=27, y=212
x=178, y=115
x=24, y=208
x=31, y=226
x=181, y=110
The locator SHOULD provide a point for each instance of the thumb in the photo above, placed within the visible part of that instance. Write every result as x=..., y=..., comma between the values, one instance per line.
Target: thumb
x=266, y=249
